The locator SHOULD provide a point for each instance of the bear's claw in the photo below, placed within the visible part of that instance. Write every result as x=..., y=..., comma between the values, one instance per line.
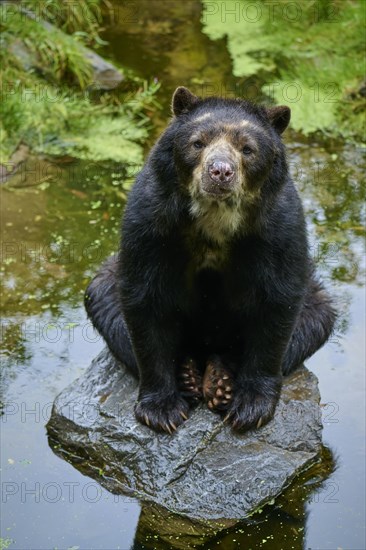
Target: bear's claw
x=190, y=381
x=162, y=414
x=251, y=407
x=217, y=385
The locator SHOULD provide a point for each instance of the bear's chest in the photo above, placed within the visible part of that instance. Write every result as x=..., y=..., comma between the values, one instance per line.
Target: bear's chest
x=210, y=258
x=204, y=254
x=216, y=221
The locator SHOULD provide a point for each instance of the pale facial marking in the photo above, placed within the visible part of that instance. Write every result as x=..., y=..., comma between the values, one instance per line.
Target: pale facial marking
x=219, y=146
x=217, y=219
x=203, y=117
x=242, y=124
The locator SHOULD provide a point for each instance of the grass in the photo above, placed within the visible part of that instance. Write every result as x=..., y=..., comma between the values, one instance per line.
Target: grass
x=49, y=101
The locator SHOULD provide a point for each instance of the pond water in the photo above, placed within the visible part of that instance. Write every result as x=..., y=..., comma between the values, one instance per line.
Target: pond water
x=60, y=219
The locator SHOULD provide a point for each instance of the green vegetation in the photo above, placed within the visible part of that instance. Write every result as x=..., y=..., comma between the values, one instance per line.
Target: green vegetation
x=82, y=18
x=5, y=543
x=309, y=55
x=49, y=99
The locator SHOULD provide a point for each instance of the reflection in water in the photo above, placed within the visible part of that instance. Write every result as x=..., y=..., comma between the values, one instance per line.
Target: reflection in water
x=279, y=524
x=58, y=224
x=282, y=525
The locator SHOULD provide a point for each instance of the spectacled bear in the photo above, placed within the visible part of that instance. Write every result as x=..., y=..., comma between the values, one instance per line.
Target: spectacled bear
x=213, y=295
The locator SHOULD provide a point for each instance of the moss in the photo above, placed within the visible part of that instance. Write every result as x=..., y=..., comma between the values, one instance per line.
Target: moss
x=309, y=54
x=50, y=103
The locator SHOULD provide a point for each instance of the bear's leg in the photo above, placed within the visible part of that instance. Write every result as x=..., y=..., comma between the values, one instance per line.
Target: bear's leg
x=103, y=307
x=158, y=344
x=158, y=407
x=253, y=366
x=313, y=327
x=255, y=390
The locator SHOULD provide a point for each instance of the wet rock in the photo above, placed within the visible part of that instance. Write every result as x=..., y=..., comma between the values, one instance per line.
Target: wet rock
x=8, y=169
x=105, y=75
x=204, y=470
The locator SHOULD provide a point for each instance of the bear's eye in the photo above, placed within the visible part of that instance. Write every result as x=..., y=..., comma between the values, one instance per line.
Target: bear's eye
x=247, y=150
x=198, y=144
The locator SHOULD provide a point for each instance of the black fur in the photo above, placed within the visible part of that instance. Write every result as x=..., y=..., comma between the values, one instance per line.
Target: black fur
x=262, y=312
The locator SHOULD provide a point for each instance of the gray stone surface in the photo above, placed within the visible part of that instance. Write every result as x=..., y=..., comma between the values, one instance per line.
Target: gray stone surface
x=204, y=470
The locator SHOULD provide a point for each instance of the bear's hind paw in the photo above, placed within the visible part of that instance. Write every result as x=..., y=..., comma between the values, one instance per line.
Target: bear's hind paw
x=190, y=381
x=217, y=385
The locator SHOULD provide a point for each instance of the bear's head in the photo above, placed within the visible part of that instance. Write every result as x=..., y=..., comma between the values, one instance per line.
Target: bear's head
x=225, y=149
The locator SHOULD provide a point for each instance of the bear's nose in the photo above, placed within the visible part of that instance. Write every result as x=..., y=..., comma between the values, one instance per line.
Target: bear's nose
x=221, y=172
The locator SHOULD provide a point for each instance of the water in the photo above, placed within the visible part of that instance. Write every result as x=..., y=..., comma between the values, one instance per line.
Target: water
x=58, y=223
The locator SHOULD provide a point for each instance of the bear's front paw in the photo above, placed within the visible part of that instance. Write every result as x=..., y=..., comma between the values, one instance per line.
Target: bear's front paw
x=253, y=403
x=161, y=413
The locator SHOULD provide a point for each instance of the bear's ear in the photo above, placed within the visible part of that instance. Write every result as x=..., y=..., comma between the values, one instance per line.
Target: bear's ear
x=279, y=117
x=183, y=101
